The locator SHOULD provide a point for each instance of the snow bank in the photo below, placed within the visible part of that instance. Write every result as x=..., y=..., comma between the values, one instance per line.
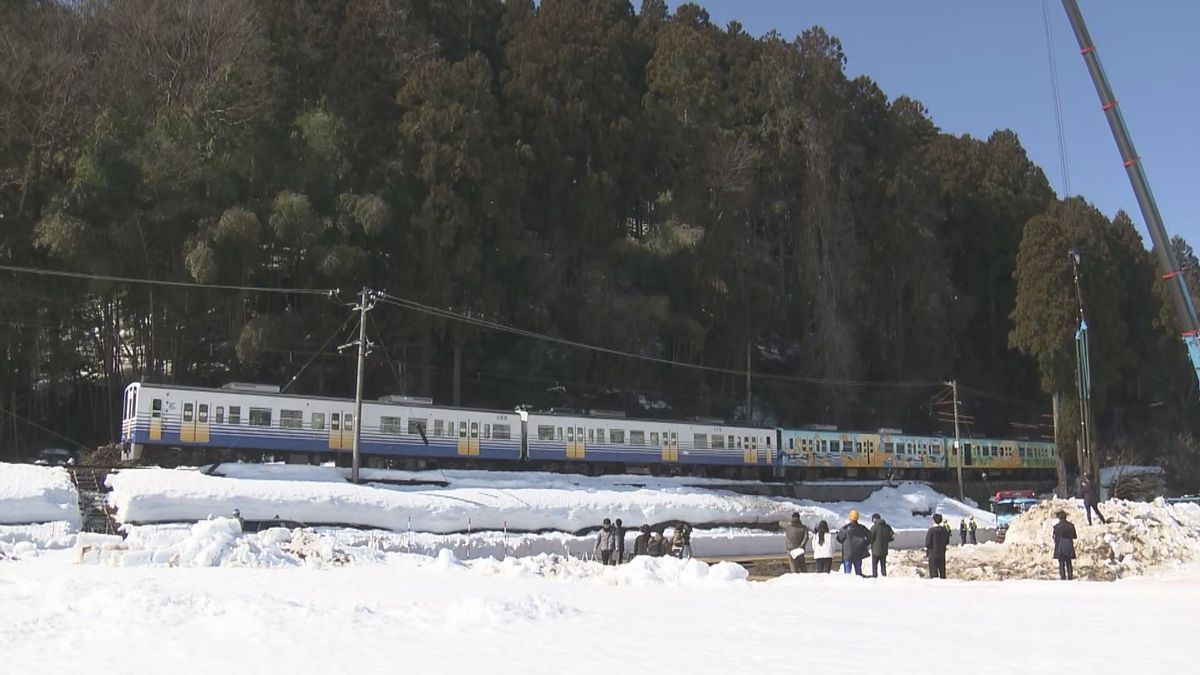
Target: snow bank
x=1139, y=537
x=474, y=501
x=37, y=494
x=220, y=542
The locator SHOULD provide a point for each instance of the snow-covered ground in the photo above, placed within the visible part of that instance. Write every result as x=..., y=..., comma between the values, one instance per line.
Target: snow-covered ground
x=37, y=494
x=416, y=614
x=459, y=502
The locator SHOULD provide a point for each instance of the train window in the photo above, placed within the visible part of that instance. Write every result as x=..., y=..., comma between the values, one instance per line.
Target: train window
x=835, y=446
x=335, y=421
x=599, y=435
x=260, y=417
x=501, y=432
x=156, y=408
x=487, y=431
x=559, y=436
x=462, y=429
x=637, y=438
x=291, y=419
x=235, y=414
x=437, y=427
x=318, y=421
x=858, y=446
x=791, y=444
x=718, y=442
x=571, y=434
x=348, y=419
x=202, y=413
x=390, y=425
x=674, y=439
x=729, y=442
x=591, y=435
x=653, y=438
x=417, y=425
x=187, y=412
x=474, y=429
x=700, y=441
x=219, y=415
x=545, y=433
x=616, y=436
x=768, y=441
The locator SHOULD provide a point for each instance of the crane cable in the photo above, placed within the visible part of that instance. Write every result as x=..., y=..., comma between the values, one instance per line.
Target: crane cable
x=1056, y=100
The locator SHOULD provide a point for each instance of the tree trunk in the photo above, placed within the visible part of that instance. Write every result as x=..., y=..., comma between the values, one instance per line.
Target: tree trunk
x=1060, y=465
x=457, y=397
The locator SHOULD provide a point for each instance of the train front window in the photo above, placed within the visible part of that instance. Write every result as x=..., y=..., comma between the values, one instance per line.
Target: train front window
x=156, y=409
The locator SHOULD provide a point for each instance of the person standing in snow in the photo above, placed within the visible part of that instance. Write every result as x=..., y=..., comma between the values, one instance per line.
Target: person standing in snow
x=795, y=535
x=237, y=515
x=1091, y=500
x=962, y=532
x=606, y=543
x=936, y=541
x=655, y=548
x=881, y=536
x=856, y=543
x=1064, y=546
x=822, y=546
x=681, y=541
x=641, y=545
x=971, y=530
x=620, y=532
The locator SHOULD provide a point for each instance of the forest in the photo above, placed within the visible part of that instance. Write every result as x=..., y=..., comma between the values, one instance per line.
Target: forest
x=632, y=178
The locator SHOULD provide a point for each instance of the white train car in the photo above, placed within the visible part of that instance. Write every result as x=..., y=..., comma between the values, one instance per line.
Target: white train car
x=557, y=437
x=240, y=417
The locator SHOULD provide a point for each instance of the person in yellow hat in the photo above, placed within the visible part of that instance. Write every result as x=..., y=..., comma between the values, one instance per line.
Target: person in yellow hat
x=856, y=544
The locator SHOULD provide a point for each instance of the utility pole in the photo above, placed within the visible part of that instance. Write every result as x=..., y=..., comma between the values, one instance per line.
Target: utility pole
x=749, y=410
x=1083, y=376
x=365, y=304
x=958, y=453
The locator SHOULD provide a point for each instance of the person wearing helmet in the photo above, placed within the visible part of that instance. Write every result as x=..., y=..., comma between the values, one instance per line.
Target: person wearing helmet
x=856, y=543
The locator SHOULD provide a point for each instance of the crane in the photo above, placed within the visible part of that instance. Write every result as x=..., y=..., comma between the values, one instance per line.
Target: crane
x=1181, y=297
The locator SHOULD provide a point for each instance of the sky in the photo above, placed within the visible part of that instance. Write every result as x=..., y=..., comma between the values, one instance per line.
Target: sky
x=980, y=66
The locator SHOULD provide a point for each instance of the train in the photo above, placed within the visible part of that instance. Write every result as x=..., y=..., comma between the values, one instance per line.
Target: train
x=255, y=421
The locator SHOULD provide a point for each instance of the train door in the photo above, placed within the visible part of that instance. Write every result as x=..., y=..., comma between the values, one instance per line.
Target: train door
x=156, y=406
x=670, y=446
x=341, y=431
x=576, y=443
x=468, y=438
x=187, y=424
x=750, y=450
x=202, y=423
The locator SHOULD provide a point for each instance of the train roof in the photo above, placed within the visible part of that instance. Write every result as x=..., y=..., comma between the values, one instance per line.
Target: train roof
x=393, y=404
x=644, y=420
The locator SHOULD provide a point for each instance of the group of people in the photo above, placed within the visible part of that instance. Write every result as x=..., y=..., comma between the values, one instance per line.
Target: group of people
x=967, y=528
x=856, y=540
x=610, y=542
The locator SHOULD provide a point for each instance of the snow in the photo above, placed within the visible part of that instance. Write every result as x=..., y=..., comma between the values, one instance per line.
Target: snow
x=1139, y=538
x=456, y=502
x=543, y=614
x=37, y=494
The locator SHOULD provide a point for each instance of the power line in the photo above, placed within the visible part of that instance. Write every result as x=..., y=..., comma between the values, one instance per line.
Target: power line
x=320, y=350
x=5, y=411
x=484, y=323
x=159, y=282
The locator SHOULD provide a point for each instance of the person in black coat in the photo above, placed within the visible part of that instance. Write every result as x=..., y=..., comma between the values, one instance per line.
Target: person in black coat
x=936, y=541
x=619, y=527
x=1064, y=546
x=856, y=544
x=1090, y=494
x=641, y=545
x=881, y=536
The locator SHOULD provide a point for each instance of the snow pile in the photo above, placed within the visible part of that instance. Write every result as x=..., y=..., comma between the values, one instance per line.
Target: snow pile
x=479, y=501
x=1138, y=538
x=37, y=494
x=217, y=542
